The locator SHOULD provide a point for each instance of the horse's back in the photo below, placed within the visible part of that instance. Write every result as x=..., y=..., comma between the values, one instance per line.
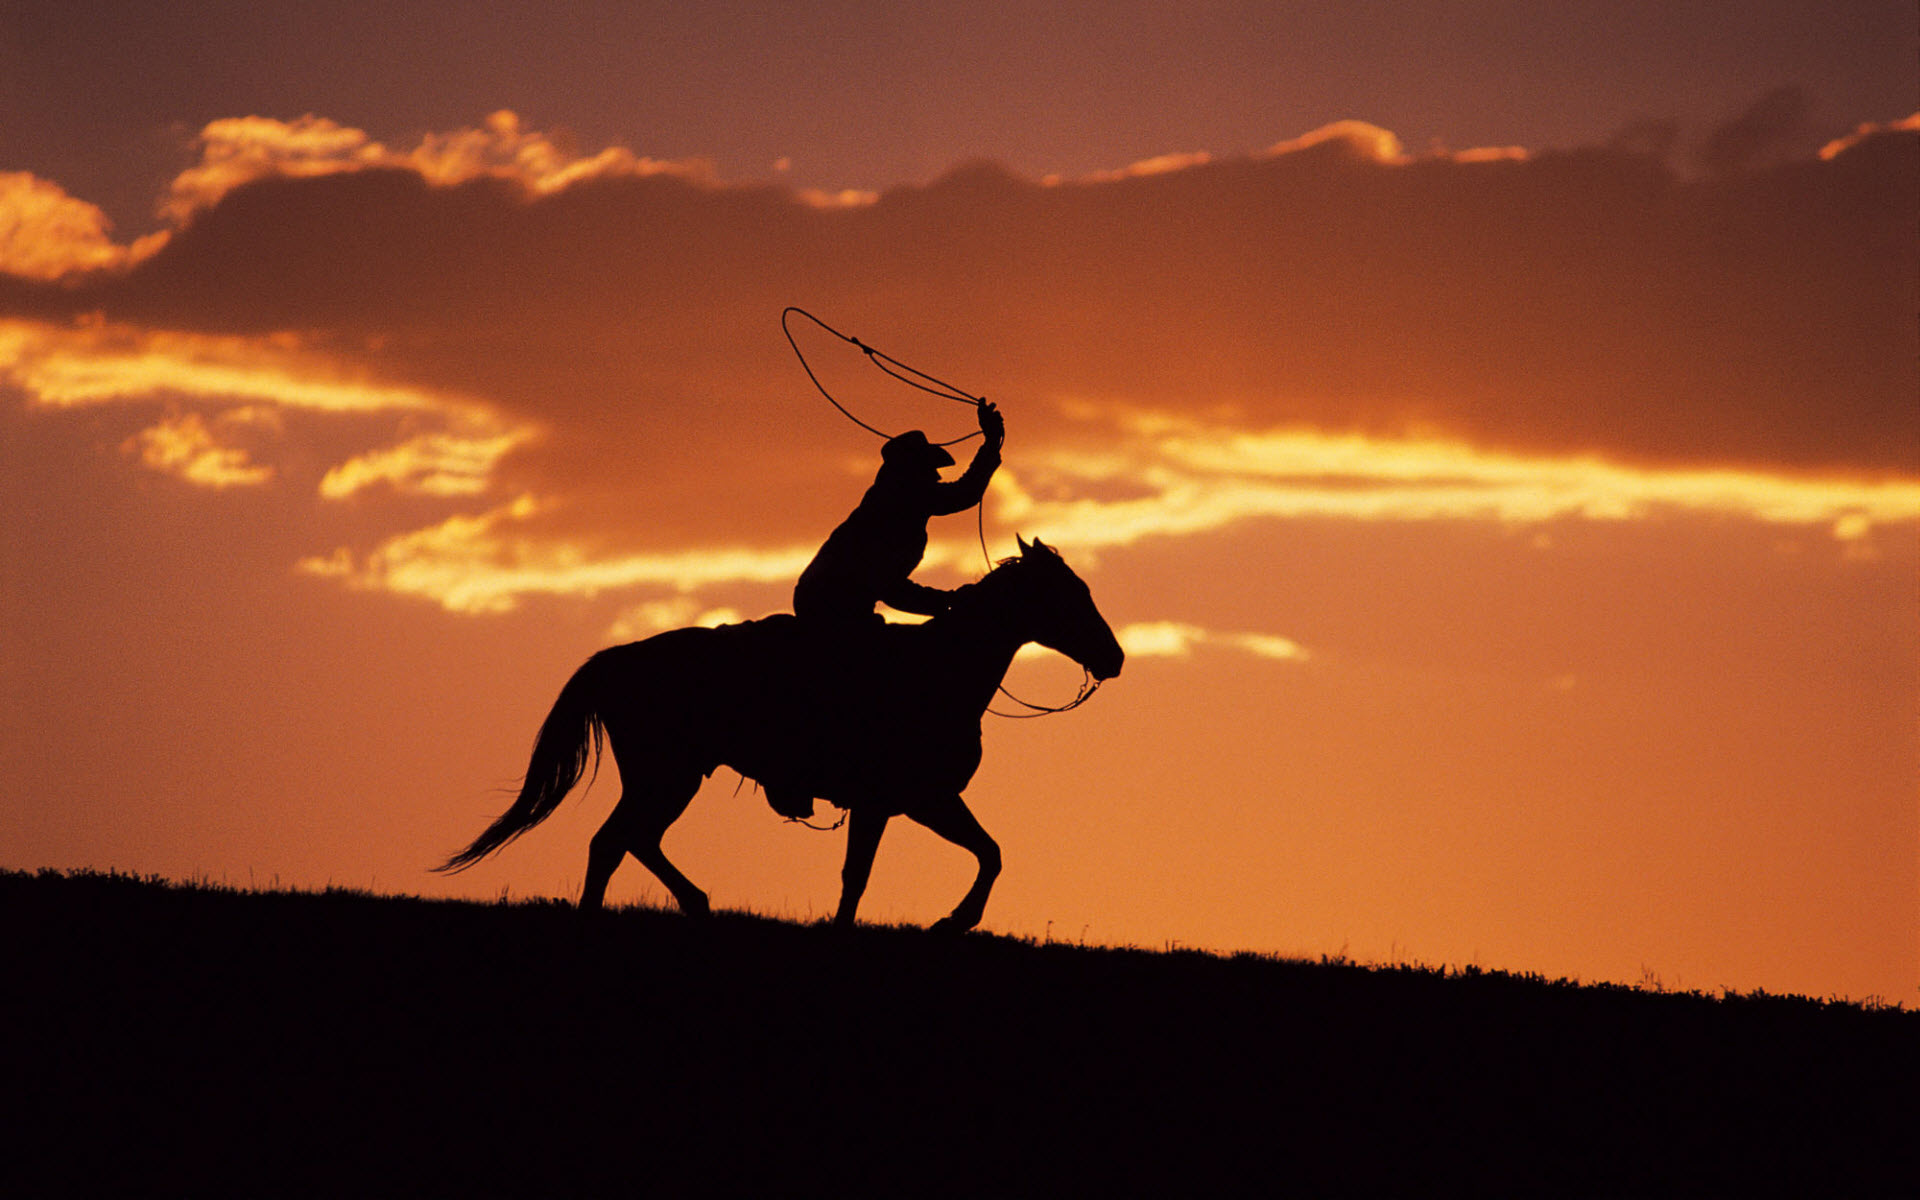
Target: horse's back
x=701, y=647
x=684, y=684
x=844, y=713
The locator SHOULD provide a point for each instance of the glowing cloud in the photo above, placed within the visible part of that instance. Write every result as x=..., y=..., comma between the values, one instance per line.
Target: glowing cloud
x=1159, y=164
x=675, y=612
x=1839, y=146
x=1088, y=474
x=1179, y=478
x=252, y=380
x=1183, y=484
x=186, y=447
x=435, y=464
x=77, y=366
x=47, y=234
x=1381, y=288
x=238, y=150
x=844, y=198
x=1176, y=639
x=1358, y=137
x=487, y=563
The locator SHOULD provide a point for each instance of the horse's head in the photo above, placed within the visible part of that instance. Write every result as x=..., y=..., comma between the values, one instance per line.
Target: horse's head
x=1058, y=611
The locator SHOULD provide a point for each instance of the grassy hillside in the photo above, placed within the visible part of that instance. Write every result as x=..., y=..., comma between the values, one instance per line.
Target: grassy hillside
x=165, y=1040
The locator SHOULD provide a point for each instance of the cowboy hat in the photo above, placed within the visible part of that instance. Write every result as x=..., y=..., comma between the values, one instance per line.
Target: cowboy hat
x=912, y=447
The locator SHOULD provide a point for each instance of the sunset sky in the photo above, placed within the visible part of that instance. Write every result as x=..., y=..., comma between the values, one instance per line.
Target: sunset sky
x=1493, y=429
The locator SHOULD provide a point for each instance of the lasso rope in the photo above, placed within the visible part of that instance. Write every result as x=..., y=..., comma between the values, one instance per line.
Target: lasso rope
x=885, y=362
x=913, y=377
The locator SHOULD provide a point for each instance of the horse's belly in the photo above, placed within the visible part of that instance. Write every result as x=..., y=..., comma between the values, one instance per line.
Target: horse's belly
x=880, y=772
x=857, y=732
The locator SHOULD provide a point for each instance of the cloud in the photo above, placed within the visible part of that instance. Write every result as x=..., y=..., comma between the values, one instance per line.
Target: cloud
x=1865, y=131
x=577, y=355
x=1763, y=129
x=1176, y=483
x=47, y=235
x=95, y=363
x=1169, y=477
x=185, y=445
x=246, y=385
x=1357, y=139
x=675, y=612
x=1575, y=302
x=236, y=151
x=1177, y=639
x=1159, y=164
x=434, y=464
x=491, y=561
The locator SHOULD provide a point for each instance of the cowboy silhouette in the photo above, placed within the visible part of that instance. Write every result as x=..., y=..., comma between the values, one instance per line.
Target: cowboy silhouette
x=869, y=557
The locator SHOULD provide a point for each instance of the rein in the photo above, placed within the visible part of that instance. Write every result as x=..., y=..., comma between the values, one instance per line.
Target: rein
x=821, y=828
x=1088, y=686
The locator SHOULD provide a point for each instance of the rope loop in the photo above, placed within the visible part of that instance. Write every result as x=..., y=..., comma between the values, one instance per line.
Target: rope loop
x=910, y=376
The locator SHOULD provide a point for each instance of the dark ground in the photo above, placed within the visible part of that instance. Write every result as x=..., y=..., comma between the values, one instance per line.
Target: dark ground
x=173, y=1041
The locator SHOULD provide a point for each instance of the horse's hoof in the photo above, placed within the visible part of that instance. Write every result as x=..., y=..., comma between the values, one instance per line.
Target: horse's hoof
x=949, y=927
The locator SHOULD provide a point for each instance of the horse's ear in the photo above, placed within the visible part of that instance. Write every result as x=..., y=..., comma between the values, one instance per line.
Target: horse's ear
x=1040, y=545
x=1022, y=543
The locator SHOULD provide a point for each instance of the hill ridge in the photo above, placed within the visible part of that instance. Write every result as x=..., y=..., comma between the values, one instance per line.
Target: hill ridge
x=222, y=1041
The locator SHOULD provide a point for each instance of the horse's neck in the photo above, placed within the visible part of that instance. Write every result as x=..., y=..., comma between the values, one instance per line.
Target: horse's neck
x=982, y=633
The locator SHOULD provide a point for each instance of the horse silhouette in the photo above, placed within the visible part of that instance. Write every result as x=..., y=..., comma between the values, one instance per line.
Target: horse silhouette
x=883, y=721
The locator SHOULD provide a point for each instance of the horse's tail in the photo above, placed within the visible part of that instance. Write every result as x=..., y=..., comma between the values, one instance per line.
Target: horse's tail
x=569, y=737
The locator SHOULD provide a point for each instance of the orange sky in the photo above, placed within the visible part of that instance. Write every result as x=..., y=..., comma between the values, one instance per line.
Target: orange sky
x=1516, y=547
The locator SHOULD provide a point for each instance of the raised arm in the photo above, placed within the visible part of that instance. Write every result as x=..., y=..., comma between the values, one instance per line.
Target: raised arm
x=966, y=491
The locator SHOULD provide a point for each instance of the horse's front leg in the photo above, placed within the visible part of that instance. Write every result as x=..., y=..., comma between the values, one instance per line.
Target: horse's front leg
x=864, y=828
x=950, y=817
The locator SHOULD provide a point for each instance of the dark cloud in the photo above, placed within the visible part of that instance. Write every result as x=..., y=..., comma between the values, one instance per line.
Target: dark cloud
x=1570, y=302
x=1767, y=128
x=1647, y=137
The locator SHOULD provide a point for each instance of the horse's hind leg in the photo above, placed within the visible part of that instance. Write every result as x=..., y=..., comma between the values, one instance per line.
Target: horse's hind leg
x=604, y=853
x=648, y=806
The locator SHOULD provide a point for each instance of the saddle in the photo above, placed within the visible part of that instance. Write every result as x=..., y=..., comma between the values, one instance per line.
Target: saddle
x=835, y=663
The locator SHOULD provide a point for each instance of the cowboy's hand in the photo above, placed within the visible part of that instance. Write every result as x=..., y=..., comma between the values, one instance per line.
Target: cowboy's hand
x=993, y=424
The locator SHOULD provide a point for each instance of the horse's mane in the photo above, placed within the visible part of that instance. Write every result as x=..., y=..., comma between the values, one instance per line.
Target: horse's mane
x=967, y=595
